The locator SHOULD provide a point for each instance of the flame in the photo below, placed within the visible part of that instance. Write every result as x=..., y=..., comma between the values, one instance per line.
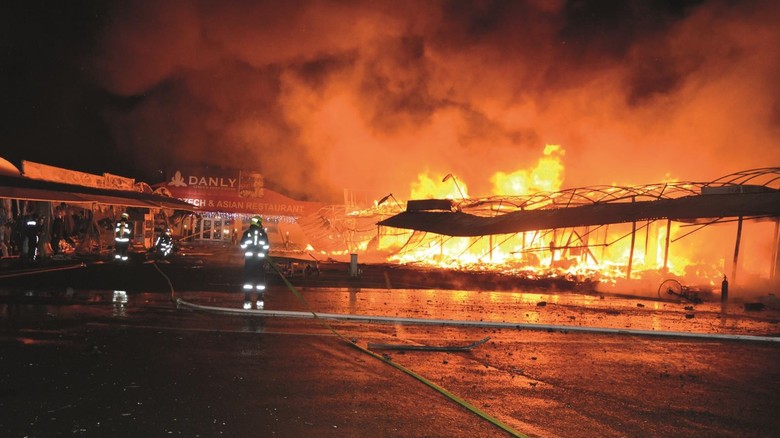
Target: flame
x=547, y=176
x=604, y=254
x=442, y=187
x=580, y=254
x=615, y=257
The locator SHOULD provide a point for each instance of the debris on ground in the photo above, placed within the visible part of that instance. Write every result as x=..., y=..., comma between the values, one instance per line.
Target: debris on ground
x=468, y=347
x=754, y=306
x=770, y=301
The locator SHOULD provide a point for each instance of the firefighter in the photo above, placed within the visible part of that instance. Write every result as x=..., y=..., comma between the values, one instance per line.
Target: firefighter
x=122, y=233
x=254, y=242
x=164, y=243
x=32, y=230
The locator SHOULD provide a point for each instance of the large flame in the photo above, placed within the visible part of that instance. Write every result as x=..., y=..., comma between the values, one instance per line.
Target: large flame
x=621, y=257
x=607, y=254
x=446, y=187
x=547, y=176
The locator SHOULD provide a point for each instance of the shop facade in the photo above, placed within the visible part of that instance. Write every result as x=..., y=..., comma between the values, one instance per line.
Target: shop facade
x=228, y=199
x=74, y=212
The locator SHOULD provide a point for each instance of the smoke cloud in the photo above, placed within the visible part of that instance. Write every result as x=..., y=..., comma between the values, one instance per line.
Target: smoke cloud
x=325, y=95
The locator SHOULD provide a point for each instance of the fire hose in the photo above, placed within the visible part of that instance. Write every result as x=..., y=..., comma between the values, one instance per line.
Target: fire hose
x=41, y=271
x=322, y=317
x=470, y=407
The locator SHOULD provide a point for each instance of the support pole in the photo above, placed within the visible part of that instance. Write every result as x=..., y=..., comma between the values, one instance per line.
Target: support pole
x=631, y=252
x=736, y=252
x=666, y=247
x=775, y=250
x=552, y=247
x=353, y=266
x=651, y=256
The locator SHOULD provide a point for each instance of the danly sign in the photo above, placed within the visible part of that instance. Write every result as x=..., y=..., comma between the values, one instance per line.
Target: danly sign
x=239, y=192
x=203, y=182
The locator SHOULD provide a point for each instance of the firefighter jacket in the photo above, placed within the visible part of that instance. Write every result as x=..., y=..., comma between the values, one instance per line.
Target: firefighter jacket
x=254, y=242
x=164, y=244
x=123, y=231
x=31, y=230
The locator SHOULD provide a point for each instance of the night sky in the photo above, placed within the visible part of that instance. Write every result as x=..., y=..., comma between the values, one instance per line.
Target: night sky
x=320, y=96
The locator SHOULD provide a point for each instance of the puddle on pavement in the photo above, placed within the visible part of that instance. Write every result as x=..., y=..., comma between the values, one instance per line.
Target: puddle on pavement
x=564, y=309
x=568, y=309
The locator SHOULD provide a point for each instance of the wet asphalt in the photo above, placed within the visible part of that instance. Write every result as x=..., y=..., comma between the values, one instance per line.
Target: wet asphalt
x=104, y=350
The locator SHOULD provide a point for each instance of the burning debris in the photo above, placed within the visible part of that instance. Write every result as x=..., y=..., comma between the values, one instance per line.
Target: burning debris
x=456, y=98
x=596, y=234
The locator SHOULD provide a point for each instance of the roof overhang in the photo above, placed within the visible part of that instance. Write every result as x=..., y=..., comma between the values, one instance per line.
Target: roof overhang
x=38, y=190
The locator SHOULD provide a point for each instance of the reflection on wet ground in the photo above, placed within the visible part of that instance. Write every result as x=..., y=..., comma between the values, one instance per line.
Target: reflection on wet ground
x=538, y=382
x=565, y=309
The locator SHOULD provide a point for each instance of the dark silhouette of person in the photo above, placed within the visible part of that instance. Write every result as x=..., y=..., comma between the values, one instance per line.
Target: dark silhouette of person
x=32, y=230
x=57, y=232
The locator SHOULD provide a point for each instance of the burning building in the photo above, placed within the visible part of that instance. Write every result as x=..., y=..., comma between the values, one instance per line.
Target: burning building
x=226, y=199
x=322, y=96
x=612, y=234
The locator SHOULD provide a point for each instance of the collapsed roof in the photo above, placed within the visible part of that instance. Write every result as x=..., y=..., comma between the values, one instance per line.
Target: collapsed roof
x=748, y=194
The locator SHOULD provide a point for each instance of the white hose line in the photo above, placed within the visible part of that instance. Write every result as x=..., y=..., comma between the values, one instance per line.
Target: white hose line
x=466, y=323
x=41, y=271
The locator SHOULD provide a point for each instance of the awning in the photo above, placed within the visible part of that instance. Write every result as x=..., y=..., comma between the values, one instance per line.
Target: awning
x=12, y=187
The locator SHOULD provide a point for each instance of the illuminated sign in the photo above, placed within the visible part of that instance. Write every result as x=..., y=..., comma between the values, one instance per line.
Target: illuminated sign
x=242, y=192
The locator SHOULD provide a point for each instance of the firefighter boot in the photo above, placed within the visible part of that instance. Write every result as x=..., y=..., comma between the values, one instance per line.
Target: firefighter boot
x=260, y=303
x=247, y=301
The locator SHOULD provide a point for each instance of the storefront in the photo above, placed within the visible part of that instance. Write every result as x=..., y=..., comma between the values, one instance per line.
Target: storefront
x=214, y=228
x=75, y=212
x=228, y=199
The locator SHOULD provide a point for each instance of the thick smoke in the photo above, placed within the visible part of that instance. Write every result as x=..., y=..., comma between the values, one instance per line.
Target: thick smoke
x=325, y=95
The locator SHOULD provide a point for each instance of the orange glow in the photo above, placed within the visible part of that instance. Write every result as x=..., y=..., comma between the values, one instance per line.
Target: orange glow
x=598, y=254
x=547, y=176
x=427, y=187
x=603, y=254
x=619, y=257
x=322, y=97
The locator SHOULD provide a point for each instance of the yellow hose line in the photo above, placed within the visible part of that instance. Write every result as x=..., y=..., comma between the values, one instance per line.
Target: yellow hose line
x=398, y=366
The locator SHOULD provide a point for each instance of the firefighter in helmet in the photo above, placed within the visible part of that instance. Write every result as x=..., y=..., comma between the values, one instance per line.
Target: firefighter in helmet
x=122, y=233
x=164, y=243
x=32, y=230
x=255, y=244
